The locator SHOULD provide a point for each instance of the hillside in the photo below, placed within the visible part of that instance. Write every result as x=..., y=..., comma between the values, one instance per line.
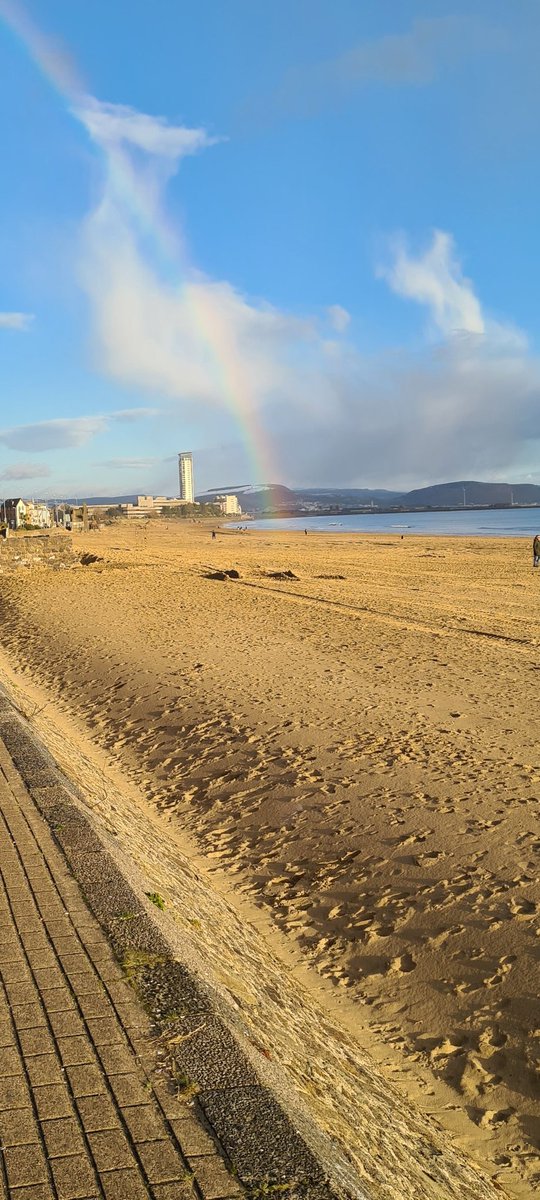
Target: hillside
x=278, y=498
x=347, y=496
x=273, y=497
x=470, y=491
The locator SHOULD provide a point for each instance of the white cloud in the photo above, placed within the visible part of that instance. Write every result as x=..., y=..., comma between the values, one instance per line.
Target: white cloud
x=112, y=125
x=201, y=343
x=25, y=471
x=16, y=320
x=196, y=339
x=338, y=317
x=454, y=410
x=434, y=278
x=63, y=432
x=464, y=405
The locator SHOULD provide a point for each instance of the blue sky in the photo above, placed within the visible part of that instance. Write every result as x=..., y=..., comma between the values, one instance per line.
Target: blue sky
x=299, y=238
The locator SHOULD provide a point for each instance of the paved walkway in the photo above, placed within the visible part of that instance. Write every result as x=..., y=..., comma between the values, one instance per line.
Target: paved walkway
x=81, y=1115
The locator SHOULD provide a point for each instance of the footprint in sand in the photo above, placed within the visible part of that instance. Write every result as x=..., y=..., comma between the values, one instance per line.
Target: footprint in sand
x=492, y=1119
x=402, y=965
x=505, y=966
x=522, y=908
x=441, y=938
x=412, y=838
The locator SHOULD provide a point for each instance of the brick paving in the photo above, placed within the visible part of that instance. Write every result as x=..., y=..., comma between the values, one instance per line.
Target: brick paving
x=81, y=1114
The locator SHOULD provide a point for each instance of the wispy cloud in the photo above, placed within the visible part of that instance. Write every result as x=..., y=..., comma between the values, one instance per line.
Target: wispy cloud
x=435, y=278
x=114, y=125
x=131, y=464
x=25, y=471
x=129, y=416
x=16, y=320
x=64, y=432
x=412, y=58
x=338, y=317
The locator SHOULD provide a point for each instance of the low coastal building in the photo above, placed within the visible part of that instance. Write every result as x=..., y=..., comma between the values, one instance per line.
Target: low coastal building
x=144, y=506
x=229, y=505
x=148, y=506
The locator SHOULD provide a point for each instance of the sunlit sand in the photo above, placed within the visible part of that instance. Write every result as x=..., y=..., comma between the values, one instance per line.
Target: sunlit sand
x=355, y=749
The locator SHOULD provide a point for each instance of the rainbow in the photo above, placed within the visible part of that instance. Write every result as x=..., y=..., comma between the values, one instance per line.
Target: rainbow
x=55, y=65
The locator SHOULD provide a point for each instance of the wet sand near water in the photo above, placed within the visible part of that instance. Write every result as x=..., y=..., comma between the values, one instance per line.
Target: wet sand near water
x=358, y=755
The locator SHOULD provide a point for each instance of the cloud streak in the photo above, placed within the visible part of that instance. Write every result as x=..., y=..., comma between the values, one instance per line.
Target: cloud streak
x=64, y=432
x=132, y=464
x=16, y=320
x=25, y=471
x=338, y=317
x=432, y=47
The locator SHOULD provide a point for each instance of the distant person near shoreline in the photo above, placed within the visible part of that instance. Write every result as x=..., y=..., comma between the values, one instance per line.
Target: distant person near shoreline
x=536, y=550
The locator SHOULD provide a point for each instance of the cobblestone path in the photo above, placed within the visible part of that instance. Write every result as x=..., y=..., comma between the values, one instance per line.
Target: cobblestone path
x=81, y=1115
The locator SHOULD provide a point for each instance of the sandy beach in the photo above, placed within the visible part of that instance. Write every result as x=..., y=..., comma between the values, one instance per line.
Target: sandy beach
x=353, y=748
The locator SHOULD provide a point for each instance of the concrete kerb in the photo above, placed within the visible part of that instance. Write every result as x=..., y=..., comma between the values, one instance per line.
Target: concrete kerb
x=203, y=1061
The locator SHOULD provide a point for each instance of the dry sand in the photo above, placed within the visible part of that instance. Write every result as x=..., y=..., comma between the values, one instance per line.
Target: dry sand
x=357, y=754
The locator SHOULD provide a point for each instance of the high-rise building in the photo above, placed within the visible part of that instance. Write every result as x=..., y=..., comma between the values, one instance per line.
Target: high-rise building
x=185, y=476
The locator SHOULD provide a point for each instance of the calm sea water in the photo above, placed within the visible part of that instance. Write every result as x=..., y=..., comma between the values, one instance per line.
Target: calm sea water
x=511, y=522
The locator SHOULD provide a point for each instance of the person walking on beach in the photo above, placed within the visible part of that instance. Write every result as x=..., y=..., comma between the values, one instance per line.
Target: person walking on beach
x=536, y=550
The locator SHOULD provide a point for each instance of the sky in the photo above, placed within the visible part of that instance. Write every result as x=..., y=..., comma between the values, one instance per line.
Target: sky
x=298, y=238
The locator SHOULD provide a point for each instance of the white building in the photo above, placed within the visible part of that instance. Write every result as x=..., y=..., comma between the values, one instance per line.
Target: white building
x=38, y=514
x=185, y=476
x=14, y=512
x=229, y=505
x=19, y=513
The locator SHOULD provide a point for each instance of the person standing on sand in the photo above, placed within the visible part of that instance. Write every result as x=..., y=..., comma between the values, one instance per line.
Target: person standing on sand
x=536, y=550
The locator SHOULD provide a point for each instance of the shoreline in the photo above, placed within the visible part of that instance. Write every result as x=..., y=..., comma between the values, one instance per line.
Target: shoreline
x=357, y=524
x=190, y=714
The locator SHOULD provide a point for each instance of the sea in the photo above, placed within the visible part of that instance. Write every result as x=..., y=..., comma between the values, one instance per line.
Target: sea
x=505, y=523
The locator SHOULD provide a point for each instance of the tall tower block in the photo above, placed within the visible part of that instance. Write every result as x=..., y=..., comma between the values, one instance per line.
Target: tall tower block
x=185, y=476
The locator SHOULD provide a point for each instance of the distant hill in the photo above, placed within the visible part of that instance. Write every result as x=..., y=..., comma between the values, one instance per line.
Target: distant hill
x=469, y=491
x=347, y=496
x=275, y=497
x=271, y=497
